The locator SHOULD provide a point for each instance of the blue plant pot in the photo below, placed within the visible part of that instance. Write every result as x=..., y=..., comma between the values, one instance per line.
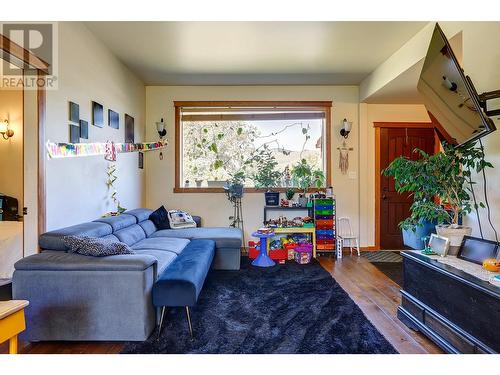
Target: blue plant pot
x=272, y=198
x=413, y=239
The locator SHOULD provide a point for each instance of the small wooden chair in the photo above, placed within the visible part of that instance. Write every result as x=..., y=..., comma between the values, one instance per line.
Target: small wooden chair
x=345, y=233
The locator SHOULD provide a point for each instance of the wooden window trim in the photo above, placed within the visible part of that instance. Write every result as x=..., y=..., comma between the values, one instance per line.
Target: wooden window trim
x=23, y=55
x=325, y=106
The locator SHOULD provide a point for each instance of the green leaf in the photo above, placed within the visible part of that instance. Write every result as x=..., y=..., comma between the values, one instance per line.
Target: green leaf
x=218, y=164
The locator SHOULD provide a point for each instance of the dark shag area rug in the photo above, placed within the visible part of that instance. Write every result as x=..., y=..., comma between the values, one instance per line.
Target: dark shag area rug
x=288, y=308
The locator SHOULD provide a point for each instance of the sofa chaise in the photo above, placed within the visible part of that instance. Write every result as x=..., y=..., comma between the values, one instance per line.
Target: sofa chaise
x=77, y=297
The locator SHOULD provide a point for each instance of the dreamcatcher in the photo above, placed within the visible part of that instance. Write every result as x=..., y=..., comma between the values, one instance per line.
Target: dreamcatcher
x=344, y=157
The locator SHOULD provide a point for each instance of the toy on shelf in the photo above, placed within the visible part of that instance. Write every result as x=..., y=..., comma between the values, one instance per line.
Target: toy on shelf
x=284, y=222
x=264, y=230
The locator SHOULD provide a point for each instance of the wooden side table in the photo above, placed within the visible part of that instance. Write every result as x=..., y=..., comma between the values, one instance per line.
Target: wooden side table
x=12, y=322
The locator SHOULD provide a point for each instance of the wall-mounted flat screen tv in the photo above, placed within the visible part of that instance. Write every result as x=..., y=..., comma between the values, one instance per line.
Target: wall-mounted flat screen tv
x=450, y=96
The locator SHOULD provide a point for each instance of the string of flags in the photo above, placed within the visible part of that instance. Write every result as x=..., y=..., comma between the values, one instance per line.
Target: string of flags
x=109, y=149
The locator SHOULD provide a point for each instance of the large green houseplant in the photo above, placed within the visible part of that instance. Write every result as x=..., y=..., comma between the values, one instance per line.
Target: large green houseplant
x=266, y=175
x=304, y=177
x=440, y=185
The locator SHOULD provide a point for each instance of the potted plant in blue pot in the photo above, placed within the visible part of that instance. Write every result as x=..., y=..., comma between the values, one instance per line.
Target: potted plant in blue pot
x=440, y=185
x=235, y=186
x=266, y=176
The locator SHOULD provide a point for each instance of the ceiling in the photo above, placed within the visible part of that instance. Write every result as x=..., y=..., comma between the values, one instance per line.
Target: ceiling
x=253, y=53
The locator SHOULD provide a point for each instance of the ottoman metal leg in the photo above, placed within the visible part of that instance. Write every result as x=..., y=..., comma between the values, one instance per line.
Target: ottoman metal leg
x=161, y=321
x=189, y=321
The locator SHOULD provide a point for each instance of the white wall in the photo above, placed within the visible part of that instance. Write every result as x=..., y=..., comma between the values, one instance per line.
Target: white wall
x=370, y=113
x=76, y=187
x=214, y=207
x=11, y=151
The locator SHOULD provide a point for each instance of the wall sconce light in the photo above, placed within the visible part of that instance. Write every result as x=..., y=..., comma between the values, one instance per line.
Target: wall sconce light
x=452, y=86
x=160, y=127
x=5, y=131
x=346, y=128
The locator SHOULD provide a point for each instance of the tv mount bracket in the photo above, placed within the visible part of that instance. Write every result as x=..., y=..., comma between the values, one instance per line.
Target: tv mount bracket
x=484, y=97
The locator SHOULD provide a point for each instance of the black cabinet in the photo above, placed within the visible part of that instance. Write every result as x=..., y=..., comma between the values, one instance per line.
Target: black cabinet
x=459, y=312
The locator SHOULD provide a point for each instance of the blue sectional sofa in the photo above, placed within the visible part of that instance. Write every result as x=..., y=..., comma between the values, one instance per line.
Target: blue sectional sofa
x=77, y=297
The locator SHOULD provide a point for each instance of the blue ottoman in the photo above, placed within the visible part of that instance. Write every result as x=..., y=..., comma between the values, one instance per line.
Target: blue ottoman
x=181, y=283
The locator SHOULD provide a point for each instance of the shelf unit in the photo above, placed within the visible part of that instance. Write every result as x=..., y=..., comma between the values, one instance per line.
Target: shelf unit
x=280, y=208
x=303, y=230
x=324, y=210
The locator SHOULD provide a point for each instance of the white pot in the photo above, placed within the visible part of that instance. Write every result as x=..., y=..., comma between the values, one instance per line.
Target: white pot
x=455, y=233
x=215, y=183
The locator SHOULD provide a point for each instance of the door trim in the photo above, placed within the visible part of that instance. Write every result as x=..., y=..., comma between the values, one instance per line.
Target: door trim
x=378, y=126
x=28, y=58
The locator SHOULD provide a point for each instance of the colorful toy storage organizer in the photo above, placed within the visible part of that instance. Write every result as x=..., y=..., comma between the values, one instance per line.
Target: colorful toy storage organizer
x=324, y=219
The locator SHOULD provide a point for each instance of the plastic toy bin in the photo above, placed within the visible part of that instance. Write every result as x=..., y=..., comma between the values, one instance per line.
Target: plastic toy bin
x=303, y=253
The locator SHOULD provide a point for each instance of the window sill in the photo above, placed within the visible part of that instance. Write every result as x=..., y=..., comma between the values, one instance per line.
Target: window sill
x=221, y=190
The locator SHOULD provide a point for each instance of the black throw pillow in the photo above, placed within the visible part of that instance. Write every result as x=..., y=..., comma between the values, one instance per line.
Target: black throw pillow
x=160, y=218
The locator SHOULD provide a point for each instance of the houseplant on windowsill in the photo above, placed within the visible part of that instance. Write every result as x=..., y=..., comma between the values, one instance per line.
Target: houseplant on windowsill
x=305, y=177
x=266, y=175
x=440, y=185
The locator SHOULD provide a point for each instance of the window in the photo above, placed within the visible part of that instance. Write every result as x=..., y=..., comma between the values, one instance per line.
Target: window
x=216, y=140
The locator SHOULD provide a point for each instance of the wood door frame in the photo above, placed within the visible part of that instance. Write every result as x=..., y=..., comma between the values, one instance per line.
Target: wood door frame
x=378, y=126
x=31, y=60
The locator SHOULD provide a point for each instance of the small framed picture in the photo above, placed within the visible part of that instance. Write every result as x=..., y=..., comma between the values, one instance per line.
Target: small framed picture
x=84, y=129
x=141, y=160
x=74, y=134
x=439, y=245
x=97, y=115
x=129, y=129
x=113, y=119
x=74, y=112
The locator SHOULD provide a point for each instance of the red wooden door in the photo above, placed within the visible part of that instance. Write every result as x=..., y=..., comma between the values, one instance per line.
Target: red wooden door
x=395, y=207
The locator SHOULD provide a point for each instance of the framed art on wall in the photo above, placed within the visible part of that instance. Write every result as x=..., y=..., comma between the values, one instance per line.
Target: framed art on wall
x=74, y=112
x=74, y=134
x=113, y=119
x=97, y=114
x=129, y=129
x=141, y=160
x=84, y=129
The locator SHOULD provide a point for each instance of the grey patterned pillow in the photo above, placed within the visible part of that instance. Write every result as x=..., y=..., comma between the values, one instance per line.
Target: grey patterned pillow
x=96, y=247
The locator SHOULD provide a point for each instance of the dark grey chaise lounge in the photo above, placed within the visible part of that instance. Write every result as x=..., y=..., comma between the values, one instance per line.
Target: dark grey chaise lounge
x=76, y=297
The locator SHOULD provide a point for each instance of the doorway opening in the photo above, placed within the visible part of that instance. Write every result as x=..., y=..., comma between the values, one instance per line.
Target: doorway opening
x=391, y=141
x=22, y=190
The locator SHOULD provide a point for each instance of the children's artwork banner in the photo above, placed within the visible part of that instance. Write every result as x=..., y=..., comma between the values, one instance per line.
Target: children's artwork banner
x=109, y=149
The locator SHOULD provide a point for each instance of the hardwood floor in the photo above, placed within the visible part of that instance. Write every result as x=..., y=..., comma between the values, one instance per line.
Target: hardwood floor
x=376, y=295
